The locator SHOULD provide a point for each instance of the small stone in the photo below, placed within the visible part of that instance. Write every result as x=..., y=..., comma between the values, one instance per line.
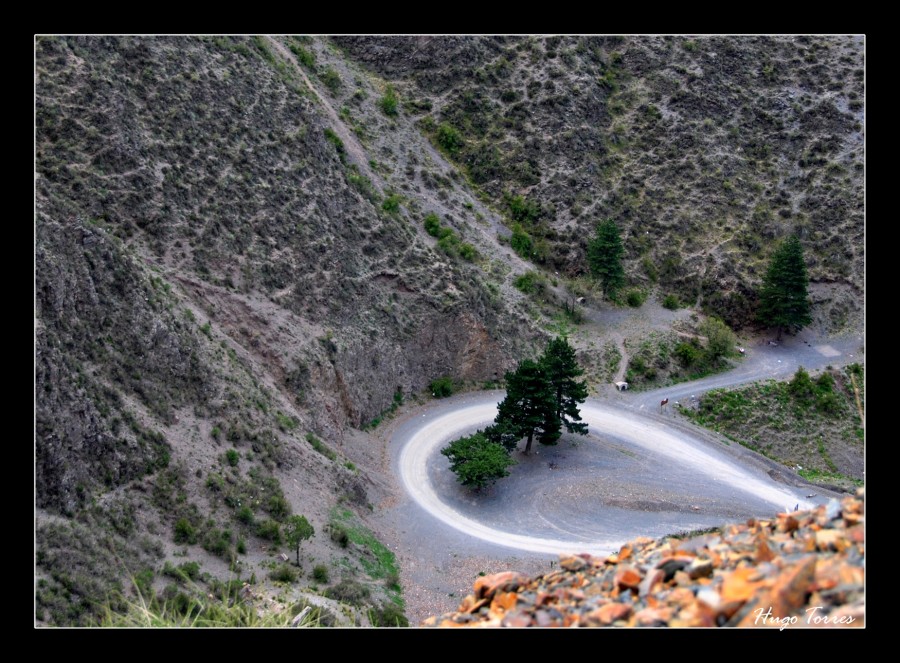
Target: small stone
x=830, y=539
x=700, y=568
x=572, y=563
x=654, y=577
x=517, y=619
x=653, y=616
x=628, y=577
x=609, y=613
x=710, y=597
x=487, y=586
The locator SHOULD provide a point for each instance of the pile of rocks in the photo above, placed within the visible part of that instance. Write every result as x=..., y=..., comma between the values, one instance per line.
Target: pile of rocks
x=801, y=569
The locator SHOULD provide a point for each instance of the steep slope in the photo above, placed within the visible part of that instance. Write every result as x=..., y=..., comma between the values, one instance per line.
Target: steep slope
x=214, y=274
x=703, y=150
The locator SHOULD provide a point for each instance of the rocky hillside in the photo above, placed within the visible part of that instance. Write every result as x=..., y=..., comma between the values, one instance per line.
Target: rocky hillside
x=215, y=272
x=703, y=150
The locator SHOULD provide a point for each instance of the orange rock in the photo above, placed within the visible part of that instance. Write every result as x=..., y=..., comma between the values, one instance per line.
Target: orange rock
x=609, y=613
x=791, y=587
x=628, y=577
x=740, y=584
x=486, y=586
x=624, y=553
x=504, y=602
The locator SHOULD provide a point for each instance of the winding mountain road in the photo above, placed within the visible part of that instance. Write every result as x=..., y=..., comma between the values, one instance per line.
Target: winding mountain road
x=639, y=472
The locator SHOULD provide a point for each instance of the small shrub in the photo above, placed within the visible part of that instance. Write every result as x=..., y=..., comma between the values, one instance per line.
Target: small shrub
x=467, y=252
x=388, y=615
x=320, y=446
x=242, y=546
x=441, y=387
x=331, y=79
x=635, y=298
x=305, y=57
x=284, y=573
x=232, y=457
x=671, y=302
x=269, y=530
x=348, y=591
x=245, y=515
x=530, y=283
x=278, y=507
x=688, y=353
x=185, y=532
x=388, y=102
x=521, y=241
x=336, y=141
x=391, y=204
x=339, y=536
x=432, y=224
x=320, y=573
x=449, y=139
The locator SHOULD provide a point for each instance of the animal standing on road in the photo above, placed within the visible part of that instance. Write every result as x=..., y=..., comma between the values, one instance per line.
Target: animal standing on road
x=662, y=404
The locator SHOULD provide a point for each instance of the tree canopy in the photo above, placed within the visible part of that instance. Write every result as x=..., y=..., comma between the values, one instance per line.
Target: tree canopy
x=560, y=370
x=541, y=397
x=605, y=257
x=783, y=298
x=477, y=461
x=298, y=529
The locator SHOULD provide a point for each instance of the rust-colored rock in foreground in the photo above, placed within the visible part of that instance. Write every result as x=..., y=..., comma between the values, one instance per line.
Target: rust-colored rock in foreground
x=800, y=570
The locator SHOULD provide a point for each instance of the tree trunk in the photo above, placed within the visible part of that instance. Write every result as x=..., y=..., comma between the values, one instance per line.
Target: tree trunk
x=780, y=330
x=298, y=555
x=528, y=444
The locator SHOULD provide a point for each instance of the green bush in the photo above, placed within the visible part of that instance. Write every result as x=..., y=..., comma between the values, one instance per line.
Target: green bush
x=270, y=530
x=635, y=298
x=245, y=515
x=530, y=283
x=335, y=140
x=320, y=446
x=388, y=102
x=185, y=532
x=348, y=591
x=284, y=573
x=688, y=353
x=232, y=457
x=432, y=224
x=278, y=507
x=339, y=535
x=331, y=79
x=391, y=204
x=320, y=573
x=306, y=58
x=388, y=615
x=671, y=302
x=449, y=138
x=441, y=387
x=521, y=241
x=467, y=252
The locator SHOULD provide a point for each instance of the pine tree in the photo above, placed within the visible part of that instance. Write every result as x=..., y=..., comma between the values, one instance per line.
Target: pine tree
x=560, y=370
x=529, y=406
x=605, y=257
x=783, y=298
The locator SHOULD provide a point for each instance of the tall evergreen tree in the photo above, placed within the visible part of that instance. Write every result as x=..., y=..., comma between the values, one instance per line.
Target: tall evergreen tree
x=605, y=257
x=529, y=406
x=561, y=370
x=783, y=297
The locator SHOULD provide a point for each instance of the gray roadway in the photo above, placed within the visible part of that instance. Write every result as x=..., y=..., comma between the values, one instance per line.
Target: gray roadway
x=640, y=472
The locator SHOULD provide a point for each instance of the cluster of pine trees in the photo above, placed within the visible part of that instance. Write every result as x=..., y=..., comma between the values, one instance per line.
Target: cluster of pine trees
x=542, y=399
